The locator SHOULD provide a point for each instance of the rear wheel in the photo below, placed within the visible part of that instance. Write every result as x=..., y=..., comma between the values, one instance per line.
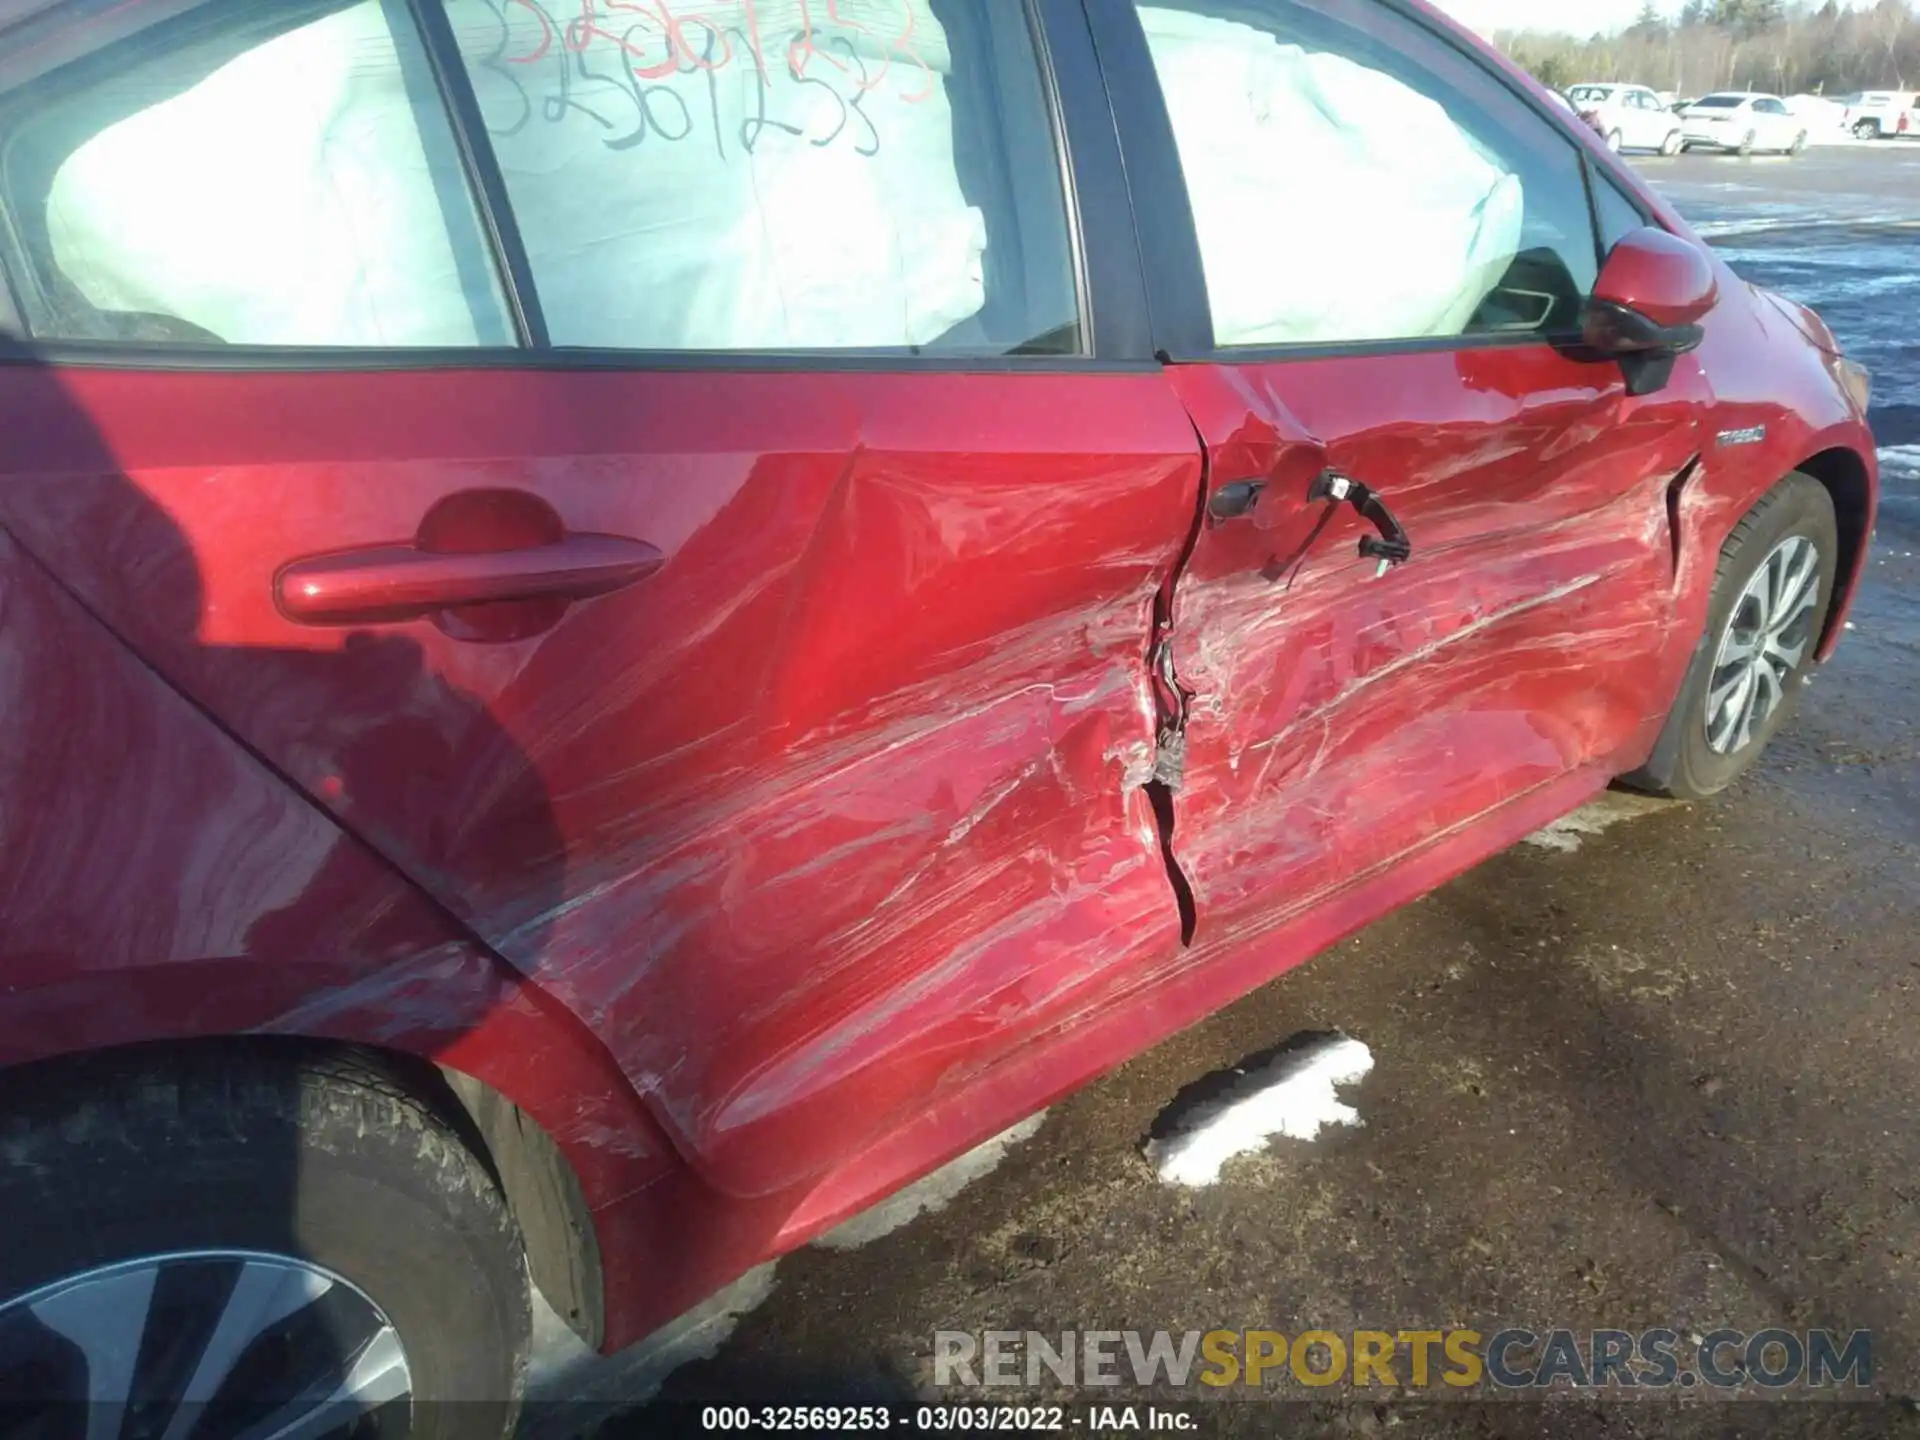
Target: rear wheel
x=245, y=1248
x=1614, y=141
x=1746, y=143
x=1673, y=144
x=1867, y=130
x=1771, y=593
x=1799, y=143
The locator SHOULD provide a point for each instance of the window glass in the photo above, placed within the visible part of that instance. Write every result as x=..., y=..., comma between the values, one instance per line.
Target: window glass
x=242, y=173
x=1619, y=216
x=1355, y=178
x=778, y=174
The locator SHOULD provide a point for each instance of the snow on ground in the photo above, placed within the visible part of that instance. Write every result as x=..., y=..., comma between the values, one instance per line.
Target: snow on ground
x=1292, y=1095
x=1590, y=820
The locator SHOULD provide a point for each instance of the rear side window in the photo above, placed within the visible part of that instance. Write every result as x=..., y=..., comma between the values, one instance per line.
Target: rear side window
x=1355, y=178
x=261, y=174
x=779, y=174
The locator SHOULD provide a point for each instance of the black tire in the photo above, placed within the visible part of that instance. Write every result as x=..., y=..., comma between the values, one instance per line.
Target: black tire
x=1684, y=766
x=1867, y=130
x=329, y=1161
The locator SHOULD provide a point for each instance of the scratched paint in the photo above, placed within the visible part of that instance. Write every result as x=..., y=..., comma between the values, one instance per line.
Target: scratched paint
x=807, y=827
x=1340, y=720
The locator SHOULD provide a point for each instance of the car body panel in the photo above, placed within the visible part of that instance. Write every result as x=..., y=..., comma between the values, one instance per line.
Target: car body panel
x=1707, y=121
x=1343, y=719
x=852, y=779
x=772, y=882
x=1634, y=112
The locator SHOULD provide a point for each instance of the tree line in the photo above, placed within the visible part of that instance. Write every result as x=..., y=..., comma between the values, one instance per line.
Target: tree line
x=1738, y=45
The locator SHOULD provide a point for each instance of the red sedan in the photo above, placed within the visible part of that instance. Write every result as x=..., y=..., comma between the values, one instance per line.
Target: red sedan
x=624, y=627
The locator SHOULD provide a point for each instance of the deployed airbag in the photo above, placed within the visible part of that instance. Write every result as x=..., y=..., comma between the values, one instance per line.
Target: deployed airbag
x=283, y=199
x=770, y=175
x=1333, y=202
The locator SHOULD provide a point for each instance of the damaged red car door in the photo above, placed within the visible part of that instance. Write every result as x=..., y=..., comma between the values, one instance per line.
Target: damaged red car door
x=1430, y=587
x=745, y=637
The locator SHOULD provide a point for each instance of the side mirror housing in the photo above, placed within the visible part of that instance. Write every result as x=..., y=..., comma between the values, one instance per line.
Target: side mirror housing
x=1646, y=308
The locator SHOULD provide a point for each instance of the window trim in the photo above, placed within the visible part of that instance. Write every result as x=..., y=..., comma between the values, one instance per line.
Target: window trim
x=1170, y=241
x=1110, y=289
x=486, y=183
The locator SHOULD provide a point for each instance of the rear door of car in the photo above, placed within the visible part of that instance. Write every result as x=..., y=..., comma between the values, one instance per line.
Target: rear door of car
x=1368, y=256
x=1650, y=120
x=692, y=493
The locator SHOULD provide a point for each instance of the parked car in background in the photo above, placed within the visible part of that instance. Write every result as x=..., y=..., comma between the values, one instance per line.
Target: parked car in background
x=1824, y=117
x=583, y=710
x=1743, y=122
x=1882, y=114
x=1629, y=117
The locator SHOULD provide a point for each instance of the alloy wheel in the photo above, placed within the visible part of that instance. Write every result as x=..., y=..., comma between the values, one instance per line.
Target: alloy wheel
x=204, y=1345
x=1766, y=638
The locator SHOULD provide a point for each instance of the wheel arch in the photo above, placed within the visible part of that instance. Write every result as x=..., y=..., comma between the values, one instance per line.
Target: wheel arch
x=544, y=1188
x=1849, y=483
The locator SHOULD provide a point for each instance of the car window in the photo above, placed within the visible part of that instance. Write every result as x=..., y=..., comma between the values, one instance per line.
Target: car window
x=773, y=175
x=1769, y=107
x=247, y=174
x=1618, y=215
x=1720, y=102
x=1353, y=177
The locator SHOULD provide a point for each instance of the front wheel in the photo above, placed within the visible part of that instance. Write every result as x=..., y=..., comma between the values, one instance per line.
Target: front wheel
x=1799, y=143
x=1746, y=143
x=1771, y=594
x=1614, y=141
x=231, y=1248
x=1673, y=144
x=1867, y=130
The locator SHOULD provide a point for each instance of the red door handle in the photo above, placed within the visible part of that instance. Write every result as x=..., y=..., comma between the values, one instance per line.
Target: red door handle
x=400, y=582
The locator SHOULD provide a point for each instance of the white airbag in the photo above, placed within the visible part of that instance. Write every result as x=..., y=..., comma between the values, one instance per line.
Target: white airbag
x=283, y=199
x=1333, y=202
x=721, y=228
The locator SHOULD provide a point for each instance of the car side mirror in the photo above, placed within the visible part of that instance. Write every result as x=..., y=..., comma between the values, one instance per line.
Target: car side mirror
x=1646, y=308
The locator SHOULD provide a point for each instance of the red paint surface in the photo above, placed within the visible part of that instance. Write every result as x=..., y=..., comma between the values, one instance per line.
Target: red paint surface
x=774, y=880
x=1669, y=280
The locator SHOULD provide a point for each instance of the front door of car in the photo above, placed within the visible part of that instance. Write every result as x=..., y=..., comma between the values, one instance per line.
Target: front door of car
x=1395, y=249
x=722, y=575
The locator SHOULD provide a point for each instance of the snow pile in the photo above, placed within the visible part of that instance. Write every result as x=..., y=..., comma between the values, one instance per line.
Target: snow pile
x=1292, y=1095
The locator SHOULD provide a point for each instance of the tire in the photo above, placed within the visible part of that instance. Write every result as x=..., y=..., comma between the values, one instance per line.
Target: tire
x=1867, y=130
x=1799, y=143
x=1673, y=144
x=296, y=1176
x=1686, y=764
x=1746, y=143
x=1614, y=141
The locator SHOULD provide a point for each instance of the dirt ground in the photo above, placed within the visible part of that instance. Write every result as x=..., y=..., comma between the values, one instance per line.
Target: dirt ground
x=1659, y=1072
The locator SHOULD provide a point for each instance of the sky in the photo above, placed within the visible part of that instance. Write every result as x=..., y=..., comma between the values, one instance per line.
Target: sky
x=1575, y=17
x=1579, y=17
